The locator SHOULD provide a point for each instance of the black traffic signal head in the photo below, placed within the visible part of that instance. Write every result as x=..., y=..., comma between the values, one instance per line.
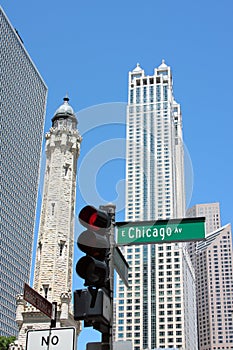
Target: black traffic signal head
x=93, y=267
x=94, y=272
x=94, y=219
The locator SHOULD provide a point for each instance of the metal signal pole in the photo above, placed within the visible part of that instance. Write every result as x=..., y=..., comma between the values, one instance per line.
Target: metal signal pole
x=111, y=210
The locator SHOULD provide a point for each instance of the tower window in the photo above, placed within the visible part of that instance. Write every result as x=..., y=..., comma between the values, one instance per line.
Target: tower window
x=39, y=250
x=66, y=167
x=53, y=208
x=46, y=289
x=61, y=248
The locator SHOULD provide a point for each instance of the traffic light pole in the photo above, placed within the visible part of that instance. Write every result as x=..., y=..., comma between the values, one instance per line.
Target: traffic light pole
x=110, y=209
x=94, y=305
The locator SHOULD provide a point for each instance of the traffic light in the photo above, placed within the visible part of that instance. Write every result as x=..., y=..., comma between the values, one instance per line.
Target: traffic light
x=94, y=241
x=94, y=305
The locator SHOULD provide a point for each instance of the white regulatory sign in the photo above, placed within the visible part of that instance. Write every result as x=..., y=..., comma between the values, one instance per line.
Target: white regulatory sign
x=52, y=339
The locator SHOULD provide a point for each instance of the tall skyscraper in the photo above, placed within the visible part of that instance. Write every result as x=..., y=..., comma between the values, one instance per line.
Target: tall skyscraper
x=213, y=262
x=158, y=309
x=23, y=96
x=154, y=150
x=54, y=257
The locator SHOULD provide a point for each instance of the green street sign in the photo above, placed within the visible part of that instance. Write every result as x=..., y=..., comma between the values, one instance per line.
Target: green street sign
x=161, y=231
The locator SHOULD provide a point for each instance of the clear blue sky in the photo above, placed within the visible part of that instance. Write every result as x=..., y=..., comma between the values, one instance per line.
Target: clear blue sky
x=86, y=48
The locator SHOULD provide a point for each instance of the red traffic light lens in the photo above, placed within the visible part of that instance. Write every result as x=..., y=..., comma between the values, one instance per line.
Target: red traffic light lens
x=93, y=218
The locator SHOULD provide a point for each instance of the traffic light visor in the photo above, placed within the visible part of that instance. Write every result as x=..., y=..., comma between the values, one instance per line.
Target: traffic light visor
x=94, y=244
x=93, y=218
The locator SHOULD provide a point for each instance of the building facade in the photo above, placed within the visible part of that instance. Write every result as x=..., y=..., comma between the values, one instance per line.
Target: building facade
x=211, y=212
x=54, y=257
x=23, y=95
x=158, y=309
x=213, y=262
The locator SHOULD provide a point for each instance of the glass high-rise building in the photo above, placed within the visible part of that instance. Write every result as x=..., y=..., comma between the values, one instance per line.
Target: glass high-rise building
x=158, y=310
x=23, y=96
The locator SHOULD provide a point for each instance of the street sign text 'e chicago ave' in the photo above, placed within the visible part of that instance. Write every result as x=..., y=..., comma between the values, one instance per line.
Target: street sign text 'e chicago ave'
x=161, y=231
